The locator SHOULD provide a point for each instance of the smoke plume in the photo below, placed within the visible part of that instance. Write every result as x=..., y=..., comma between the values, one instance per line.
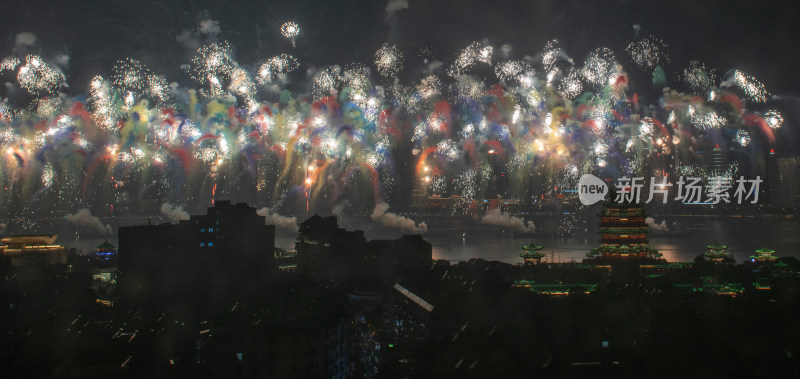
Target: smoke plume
x=278, y=220
x=651, y=222
x=174, y=213
x=25, y=39
x=381, y=216
x=85, y=219
x=497, y=217
x=395, y=5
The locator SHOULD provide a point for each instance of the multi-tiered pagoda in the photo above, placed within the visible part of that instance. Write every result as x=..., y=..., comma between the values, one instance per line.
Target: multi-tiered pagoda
x=717, y=253
x=623, y=232
x=532, y=253
x=764, y=256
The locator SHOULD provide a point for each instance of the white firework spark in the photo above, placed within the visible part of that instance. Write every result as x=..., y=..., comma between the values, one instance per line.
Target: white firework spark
x=742, y=137
x=326, y=81
x=773, y=118
x=699, y=78
x=388, y=60
x=648, y=52
x=39, y=77
x=9, y=63
x=512, y=70
x=276, y=67
x=570, y=85
x=751, y=87
x=429, y=86
x=471, y=55
x=600, y=67
x=290, y=30
x=130, y=75
x=212, y=65
x=553, y=54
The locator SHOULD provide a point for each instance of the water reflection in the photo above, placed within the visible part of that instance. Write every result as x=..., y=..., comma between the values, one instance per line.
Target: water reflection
x=741, y=235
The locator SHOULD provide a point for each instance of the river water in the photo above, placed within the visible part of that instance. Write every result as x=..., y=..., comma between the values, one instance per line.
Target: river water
x=741, y=235
x=456, y=241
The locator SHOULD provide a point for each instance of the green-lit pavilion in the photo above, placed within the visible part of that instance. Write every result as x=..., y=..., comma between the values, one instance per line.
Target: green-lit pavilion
x=764, y=255
x=716, y=252
x=532, y=253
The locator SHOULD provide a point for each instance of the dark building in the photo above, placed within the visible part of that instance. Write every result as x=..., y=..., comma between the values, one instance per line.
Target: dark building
x=326, y=251
x=215, y=253
x=784, y=182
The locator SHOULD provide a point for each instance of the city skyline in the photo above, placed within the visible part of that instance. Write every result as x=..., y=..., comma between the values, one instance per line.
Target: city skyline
x=399, y=188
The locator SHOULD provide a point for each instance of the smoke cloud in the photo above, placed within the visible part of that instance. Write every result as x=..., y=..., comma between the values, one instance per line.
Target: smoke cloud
x=174, y=213
x=395, y=5
x=278, y=220
x=340, y=212
x=497, y=217
x=651, y=222
x=432, y=67
x=381, y=216
x=187, y=40
x=25, y=39
x=210, y=27
x=85, y=219
x=338, y=209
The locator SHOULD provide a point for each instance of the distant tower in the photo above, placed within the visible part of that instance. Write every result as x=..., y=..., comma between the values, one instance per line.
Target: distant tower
x=532, y=253
x=784, y=182
x=106, y=252
x=419, y=198
x=717, y=161
x=623, y=233
x=764, y=256
x=716, y=252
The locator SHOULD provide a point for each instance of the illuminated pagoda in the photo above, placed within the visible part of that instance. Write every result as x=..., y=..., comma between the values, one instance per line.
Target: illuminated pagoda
x=106, y=252
x=716, y=252
x=532, y=254
x=764, y=256
x=623, y=233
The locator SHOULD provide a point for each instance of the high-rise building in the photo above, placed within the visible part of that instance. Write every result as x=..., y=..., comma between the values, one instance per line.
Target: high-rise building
x=784, y=182
x=227, y=247
x=717, y=161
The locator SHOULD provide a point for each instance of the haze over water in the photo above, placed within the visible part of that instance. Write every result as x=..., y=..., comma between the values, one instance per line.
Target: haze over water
x=742, y=236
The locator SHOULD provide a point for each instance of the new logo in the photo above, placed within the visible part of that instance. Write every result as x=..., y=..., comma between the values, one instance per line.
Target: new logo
x=591, y=189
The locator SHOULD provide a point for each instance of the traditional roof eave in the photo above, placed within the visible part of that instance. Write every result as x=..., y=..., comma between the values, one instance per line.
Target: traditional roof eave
x=106, y=245
x=716, y=246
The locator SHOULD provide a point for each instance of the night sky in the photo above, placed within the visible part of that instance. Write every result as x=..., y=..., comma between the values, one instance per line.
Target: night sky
x=756, y=37
x=171, y=40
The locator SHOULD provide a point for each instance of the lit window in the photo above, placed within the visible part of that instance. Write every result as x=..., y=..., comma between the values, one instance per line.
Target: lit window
x=202, y=230
x=210, y=244
x=202, y=244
